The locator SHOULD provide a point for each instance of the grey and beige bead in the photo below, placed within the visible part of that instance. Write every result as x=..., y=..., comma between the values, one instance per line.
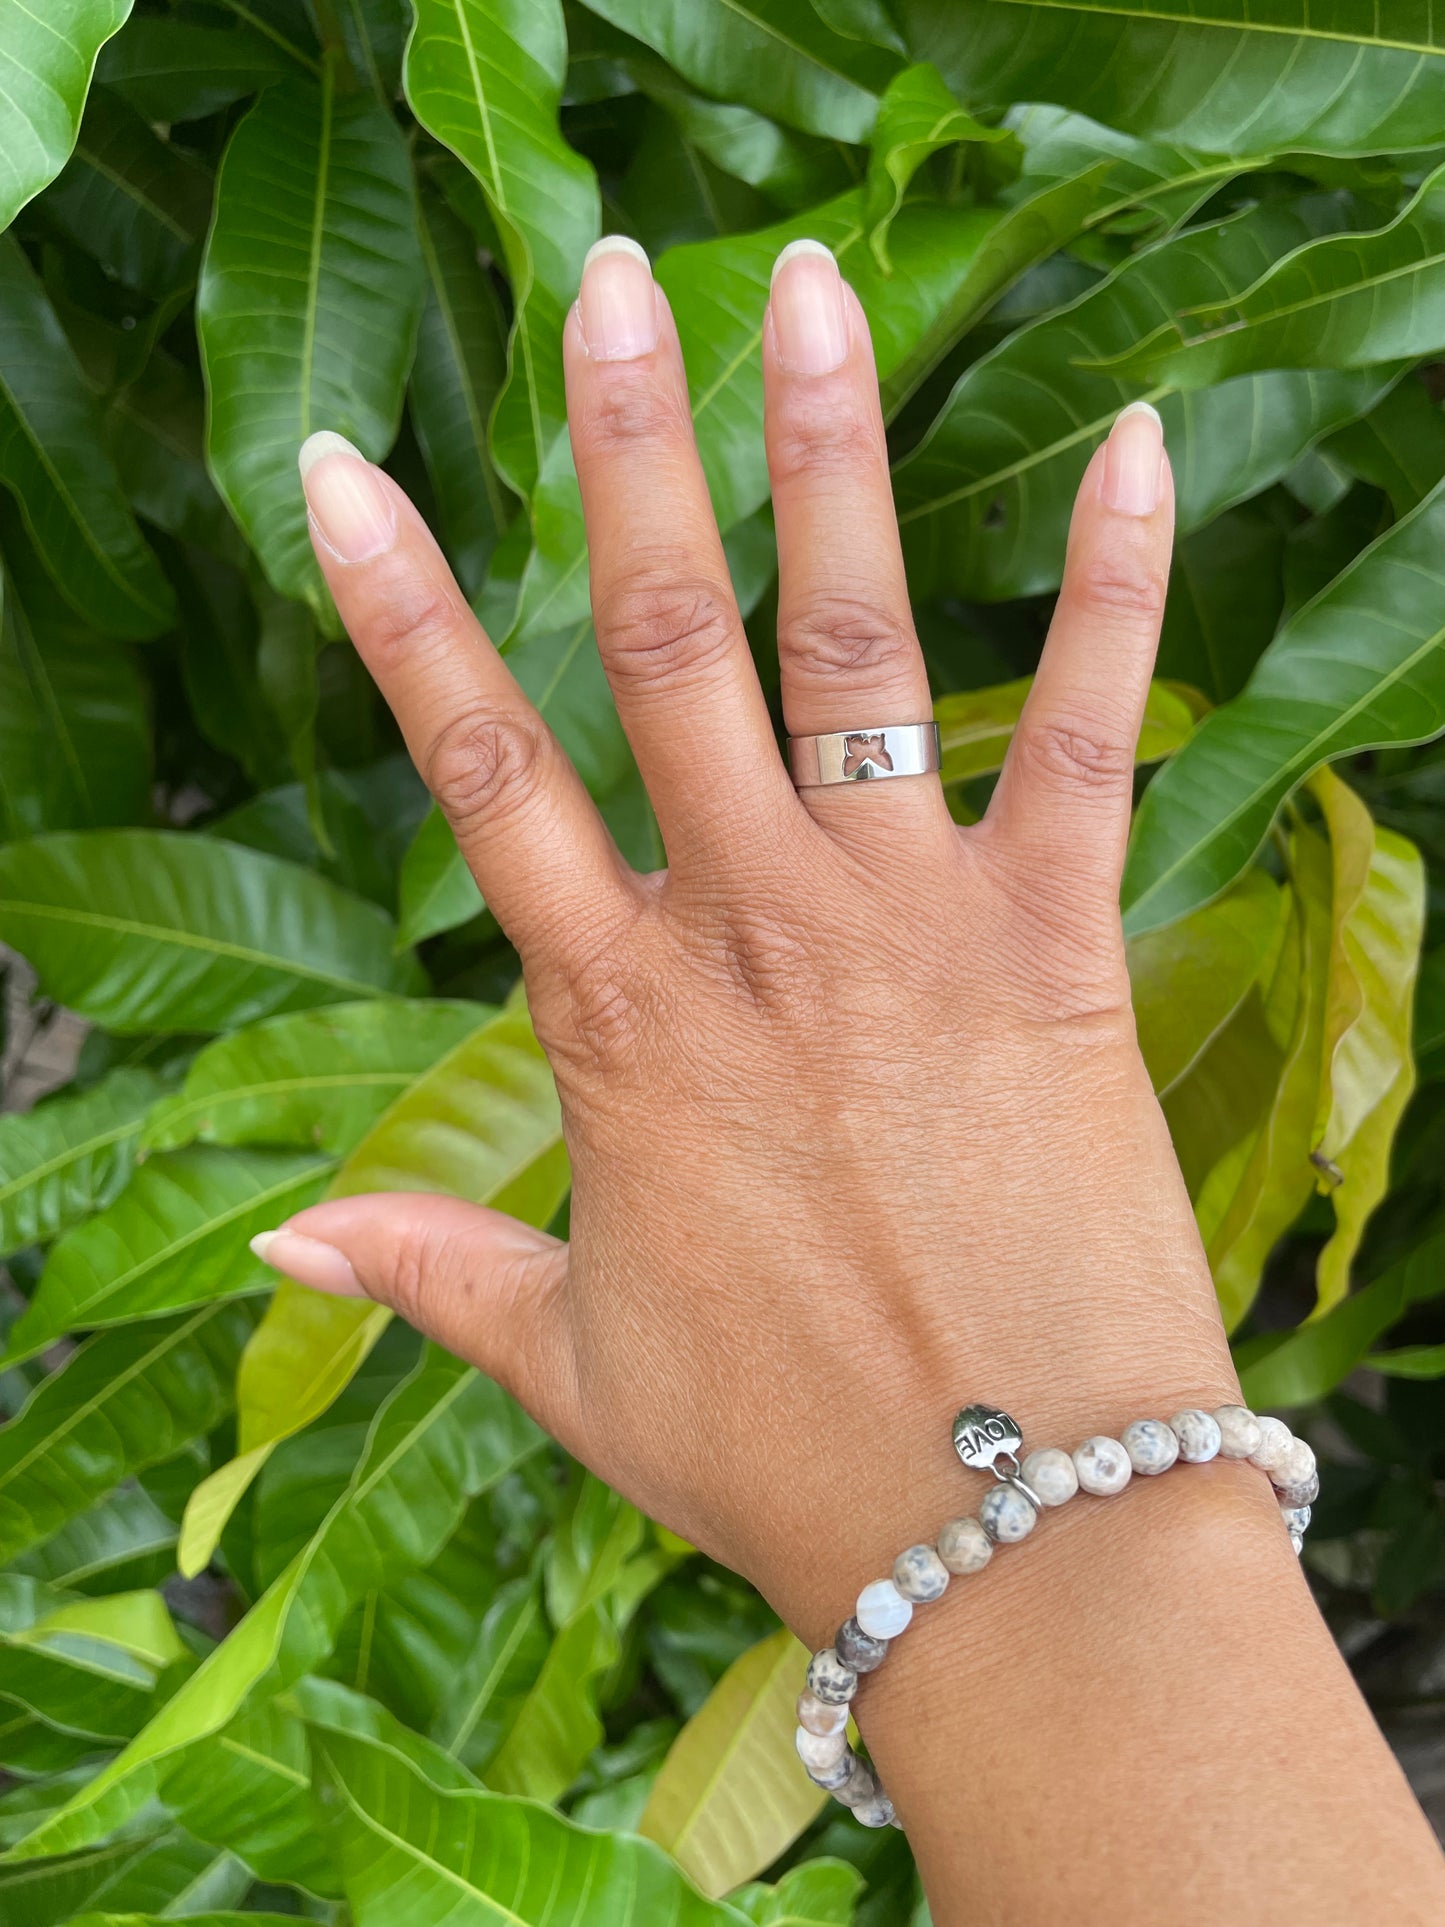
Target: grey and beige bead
x=1100, y=1466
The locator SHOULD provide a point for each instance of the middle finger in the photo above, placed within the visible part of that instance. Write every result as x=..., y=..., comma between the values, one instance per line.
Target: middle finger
x=668, y=628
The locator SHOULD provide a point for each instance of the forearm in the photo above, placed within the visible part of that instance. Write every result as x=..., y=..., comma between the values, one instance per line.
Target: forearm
x=1138, y=1715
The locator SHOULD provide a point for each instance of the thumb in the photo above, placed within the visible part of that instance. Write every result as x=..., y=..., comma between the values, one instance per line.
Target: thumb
x=490, y=1289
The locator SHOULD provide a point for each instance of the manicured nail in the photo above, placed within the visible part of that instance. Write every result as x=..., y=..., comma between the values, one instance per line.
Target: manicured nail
x=617, y=303
x=1133, y=475
x=348, y=502
x=810, y=320
x=308, y=1261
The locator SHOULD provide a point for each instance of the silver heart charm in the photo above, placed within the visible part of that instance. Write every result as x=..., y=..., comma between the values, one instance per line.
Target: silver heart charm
x=982, y=1433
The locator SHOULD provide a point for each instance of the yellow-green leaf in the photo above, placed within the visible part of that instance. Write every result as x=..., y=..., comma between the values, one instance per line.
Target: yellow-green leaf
x=483, y=1124
x=732, y=1794
x=975, y=726
x=1368, y=1070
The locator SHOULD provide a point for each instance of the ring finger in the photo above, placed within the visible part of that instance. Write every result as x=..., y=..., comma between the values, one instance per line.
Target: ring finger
x=847, y=649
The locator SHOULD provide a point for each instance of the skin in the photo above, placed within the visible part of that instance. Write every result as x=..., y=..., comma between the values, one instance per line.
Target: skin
x=860, y=1131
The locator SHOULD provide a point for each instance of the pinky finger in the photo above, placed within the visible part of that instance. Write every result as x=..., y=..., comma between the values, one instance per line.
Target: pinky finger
x=1062, y=803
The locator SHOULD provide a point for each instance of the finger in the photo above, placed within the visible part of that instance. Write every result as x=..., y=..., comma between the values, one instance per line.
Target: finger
x=526, y=826
x=667, y=626
x=1068, y=780
x=487, y=1287
x=847, y=649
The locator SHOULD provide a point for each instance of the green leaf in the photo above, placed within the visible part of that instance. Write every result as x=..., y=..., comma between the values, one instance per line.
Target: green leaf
x=485, y=78
x=438, y=892
x=917, y=118
x=174, y=70
x=461, y=365
x=315, y=1079
x=46, y=60
x=70, y=1156
x=819, y=1893
x=136, y=202
x=126, y=1541
x=1190, y=978
x=248, y=1788
x=984, y=501
x=125, y=1400
x=1343, y=302
x=410, y=1851
x=147, y=1873
x=1430, y=1017
x=176, y=1236
x=1259, y=1188
x=1378, y=922
x=1298, y=1367
x=298, y=330
x=150, y=930
x=90, y=1667
x=54, y=461
x=1226, y=592
x=1360, y=666
x=504, y=1664
x=1325, y=76
x=75, y=750
x=484, y=1124
x=444, y=1435
x=783, y=57
x=1399, y=446
x=732, y=1795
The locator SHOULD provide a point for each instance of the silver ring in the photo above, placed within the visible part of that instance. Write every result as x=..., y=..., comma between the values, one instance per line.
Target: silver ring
x=859, y=755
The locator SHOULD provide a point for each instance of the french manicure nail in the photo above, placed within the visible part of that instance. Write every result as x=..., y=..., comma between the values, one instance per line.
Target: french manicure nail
x=617, y=302
x=810, y=320
x=1133, y=474
x=348, y=502
x=309, y=1261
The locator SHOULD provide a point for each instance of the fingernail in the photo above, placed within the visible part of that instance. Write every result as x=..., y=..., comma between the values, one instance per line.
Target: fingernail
x=348, y=502
x=1133, y=475
x=308, y=1261
x=617, y=302
x=810, y=321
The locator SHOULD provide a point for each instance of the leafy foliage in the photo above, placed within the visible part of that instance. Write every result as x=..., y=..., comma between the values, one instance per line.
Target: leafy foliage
x=420, y=1664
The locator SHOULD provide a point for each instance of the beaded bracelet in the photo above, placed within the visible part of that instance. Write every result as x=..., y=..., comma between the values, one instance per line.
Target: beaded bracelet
x=988, y=1439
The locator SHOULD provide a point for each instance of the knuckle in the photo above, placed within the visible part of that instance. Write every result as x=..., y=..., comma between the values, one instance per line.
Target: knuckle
x=411, y=615
x=630, y=407
x=411, y=1271
x=1079, y=753
x=1118, y=590
x=651, y=628
x=484, y=767
x=851, y=638
x=824, y=435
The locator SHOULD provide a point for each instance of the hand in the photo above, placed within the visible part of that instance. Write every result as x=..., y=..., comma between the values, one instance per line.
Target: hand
x=858, y=1124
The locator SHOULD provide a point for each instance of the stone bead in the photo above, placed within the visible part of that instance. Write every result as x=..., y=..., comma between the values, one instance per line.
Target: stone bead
x=964, y=1546
x=1296, y=1517
x=818, y=1716
x=1006, y=1515
x=860, y=1785
x=876, y=1813
x=1296, y=1465
x=820, y=1752
x=1103, y=1466
x=1051, y=1474
x=1239, y=1433
x=920, y=1575
x=1305, y=1494
x=859, y=1649
x=1198, y=1436
x=1297, y=1540
x=835, y=1777
x=830, y=1680
x=882, y=1611
x=1151, y=1445
x=1275, y=1438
